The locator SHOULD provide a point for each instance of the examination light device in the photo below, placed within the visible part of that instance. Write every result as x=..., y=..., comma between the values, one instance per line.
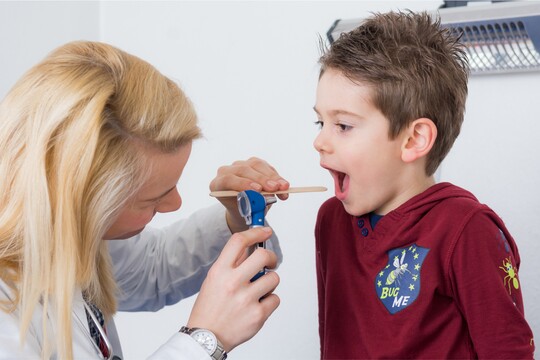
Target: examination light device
x=252, y=206
x=501, y=37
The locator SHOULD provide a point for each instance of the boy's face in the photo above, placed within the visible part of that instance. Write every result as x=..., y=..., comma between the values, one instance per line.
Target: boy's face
x=355, y=147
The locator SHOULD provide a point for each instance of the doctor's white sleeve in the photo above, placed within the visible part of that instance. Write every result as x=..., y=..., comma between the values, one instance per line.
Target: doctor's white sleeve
x=160, y=267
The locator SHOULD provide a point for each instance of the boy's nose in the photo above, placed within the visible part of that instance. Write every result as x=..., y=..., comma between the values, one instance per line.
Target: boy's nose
x=320, y=144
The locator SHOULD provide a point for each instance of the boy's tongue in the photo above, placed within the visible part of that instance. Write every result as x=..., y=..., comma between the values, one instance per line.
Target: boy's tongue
x=341, y=182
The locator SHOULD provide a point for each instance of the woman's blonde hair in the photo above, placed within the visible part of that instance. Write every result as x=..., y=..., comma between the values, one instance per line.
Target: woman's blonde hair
x=70, y=157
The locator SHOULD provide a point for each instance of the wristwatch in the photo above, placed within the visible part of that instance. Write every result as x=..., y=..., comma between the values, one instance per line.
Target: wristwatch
x=208, y=341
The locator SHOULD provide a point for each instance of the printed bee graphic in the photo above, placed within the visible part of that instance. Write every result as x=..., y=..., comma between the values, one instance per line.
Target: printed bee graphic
x=400, y=269
x=511, y=277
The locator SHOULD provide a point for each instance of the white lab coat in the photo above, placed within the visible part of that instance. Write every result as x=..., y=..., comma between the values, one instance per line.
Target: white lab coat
x=155, y=268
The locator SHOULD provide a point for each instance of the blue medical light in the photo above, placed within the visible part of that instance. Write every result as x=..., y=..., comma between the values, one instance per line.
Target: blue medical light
x=252, y=206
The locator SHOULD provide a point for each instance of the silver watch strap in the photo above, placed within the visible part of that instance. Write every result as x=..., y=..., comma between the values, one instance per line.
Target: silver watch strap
x=219, y=353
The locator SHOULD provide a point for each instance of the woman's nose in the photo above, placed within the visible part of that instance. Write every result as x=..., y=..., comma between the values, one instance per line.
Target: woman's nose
x=171, y=202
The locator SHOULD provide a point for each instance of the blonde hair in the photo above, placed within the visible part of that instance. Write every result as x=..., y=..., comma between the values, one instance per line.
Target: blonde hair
x=70, y=131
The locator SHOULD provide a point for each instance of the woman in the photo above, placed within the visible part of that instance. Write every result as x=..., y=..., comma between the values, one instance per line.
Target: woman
x=93, y=142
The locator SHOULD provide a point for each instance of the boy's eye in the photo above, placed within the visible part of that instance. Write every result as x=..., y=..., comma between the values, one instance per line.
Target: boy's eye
x=344, y=127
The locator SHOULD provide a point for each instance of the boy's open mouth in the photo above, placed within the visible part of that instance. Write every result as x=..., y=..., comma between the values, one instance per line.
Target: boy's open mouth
x=341, y=181
x=340, y=176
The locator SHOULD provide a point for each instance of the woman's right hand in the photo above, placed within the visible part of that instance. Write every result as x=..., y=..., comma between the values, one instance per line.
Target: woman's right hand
x=252, y=174
x=229, y=305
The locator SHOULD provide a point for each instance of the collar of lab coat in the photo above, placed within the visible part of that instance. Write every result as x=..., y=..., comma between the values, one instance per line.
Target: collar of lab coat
x=82, y=341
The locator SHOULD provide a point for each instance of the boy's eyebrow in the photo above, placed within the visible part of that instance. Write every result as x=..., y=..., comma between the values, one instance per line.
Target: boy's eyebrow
x=338, y=112
x=162, y=195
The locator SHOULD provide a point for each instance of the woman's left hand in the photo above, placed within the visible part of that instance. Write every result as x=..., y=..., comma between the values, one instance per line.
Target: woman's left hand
x=229, y=304
x=252, y=174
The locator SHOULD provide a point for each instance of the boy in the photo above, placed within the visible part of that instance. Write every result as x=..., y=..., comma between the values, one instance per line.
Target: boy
x=406, y=268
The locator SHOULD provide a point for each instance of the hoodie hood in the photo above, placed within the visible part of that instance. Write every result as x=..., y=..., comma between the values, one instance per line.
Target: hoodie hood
x=433, y=196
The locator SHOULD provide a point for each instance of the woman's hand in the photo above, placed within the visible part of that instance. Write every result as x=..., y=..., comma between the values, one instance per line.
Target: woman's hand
x=229, y=305
x=252, y=174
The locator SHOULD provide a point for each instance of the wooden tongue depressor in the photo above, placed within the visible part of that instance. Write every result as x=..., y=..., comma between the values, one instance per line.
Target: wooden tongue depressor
x=303, y=189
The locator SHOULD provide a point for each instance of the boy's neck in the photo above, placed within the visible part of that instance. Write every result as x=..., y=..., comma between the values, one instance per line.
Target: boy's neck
x=407, y=192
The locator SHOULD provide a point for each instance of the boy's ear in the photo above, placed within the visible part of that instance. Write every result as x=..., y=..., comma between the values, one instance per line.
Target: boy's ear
x=419, y=138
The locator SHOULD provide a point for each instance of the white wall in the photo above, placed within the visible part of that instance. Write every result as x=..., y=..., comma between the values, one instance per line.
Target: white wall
x=31, y=29
x=250, y=68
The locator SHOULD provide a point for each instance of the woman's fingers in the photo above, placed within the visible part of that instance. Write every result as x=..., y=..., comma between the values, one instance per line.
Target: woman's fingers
x=261, y=258
x=235, y=248
x=254, y=173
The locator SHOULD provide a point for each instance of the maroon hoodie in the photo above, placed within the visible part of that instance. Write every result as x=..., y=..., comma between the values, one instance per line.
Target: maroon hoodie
x=437, y=278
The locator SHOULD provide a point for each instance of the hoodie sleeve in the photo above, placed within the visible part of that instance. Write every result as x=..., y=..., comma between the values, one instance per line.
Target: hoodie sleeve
x=160, y=267
x=484, y=272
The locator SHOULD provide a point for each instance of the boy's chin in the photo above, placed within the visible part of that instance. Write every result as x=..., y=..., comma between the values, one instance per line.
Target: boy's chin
x=354, y=209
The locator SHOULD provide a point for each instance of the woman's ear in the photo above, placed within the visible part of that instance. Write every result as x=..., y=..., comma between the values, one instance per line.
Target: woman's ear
x=420, y=137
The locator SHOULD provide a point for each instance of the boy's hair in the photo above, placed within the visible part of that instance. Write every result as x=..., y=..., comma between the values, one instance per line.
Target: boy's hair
x=416, y=69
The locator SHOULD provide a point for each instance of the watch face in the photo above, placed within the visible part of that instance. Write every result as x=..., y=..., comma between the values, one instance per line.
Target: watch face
x=207, y=340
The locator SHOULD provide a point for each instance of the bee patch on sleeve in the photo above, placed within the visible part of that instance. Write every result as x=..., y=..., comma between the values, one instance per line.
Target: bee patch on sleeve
x=398, y=284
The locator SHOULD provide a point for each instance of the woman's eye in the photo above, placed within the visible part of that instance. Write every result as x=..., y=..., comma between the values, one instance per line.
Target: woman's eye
x=151, y=203
x=344, y=127
x=319, y=124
